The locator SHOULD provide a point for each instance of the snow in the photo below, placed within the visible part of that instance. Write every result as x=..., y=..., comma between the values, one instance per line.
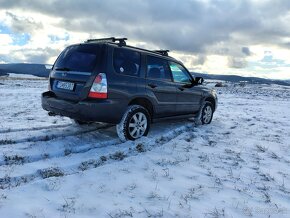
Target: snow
x=23, y=76
x=235, y=167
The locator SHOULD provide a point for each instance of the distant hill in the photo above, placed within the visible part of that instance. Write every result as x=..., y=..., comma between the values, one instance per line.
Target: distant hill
x=31, y=69
x=42, y=71
x=235, y=78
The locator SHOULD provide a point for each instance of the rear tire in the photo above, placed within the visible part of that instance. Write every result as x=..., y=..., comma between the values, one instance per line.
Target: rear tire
x=135, y=123
x=207, y=113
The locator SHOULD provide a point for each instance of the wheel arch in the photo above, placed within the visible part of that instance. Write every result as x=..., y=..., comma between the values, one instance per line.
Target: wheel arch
x=144, y=102
x=211, y=100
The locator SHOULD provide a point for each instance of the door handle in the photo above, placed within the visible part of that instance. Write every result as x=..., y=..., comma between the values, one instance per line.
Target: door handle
x=152, y=85
x=181, y=88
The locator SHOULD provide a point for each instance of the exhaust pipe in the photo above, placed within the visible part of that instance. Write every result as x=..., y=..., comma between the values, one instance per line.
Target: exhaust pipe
x=51, y=114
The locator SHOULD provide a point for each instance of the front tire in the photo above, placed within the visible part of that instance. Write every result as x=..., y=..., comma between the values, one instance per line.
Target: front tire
x=135, y=123
x=207, y=113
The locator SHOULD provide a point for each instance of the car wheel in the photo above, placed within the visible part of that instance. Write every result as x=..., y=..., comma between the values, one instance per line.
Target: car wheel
x=207, y=113
x=135, y=123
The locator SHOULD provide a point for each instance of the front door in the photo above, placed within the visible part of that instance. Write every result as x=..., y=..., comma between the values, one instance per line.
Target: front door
x=160, y=87
x=188, y=95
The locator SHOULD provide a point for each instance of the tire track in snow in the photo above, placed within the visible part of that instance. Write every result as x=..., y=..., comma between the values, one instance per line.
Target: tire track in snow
x=33, y=128
x=129, y=149
x=16, y=159
x=48, y=137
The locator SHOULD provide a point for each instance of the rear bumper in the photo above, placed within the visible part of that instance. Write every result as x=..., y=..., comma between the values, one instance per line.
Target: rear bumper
x=107, y=111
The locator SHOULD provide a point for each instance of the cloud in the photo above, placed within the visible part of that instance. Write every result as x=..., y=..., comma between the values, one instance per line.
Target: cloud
x=5, y=39
x=238, y=63
x=189, y=26
x=23, y=24
x=200, y=28
x=24, y=55
x=185, y=26
x=39, y=55
x=246, y=51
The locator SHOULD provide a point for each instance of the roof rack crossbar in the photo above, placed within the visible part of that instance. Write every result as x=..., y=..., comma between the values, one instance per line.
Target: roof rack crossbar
x=162, y=52
x=121, y=41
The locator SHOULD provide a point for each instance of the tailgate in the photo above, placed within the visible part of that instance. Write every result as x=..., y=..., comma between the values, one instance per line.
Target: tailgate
x=71, y=85
x=75, y=69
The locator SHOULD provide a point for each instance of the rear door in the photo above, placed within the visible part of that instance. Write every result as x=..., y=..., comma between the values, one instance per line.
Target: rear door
x=188, y=95
x=126, y=66
x=160, y=87
x=74, y=70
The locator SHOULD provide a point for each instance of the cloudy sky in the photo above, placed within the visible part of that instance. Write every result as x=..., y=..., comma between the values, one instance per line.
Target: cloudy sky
x=249, y=37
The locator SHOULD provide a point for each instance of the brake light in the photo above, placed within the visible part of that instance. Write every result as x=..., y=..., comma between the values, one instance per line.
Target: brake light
x=99, y=88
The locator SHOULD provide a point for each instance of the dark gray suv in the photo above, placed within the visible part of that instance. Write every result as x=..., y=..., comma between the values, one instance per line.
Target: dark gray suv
x=105, y=80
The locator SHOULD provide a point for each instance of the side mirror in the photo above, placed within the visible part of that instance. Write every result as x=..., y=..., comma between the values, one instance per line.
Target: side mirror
x=198, y=80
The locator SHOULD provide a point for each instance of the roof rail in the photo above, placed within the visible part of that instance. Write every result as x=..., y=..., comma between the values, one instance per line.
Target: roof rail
x=162, y=52
x=121, y=41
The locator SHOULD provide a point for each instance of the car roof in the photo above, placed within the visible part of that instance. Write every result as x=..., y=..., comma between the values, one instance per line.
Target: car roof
x=148, y=52
x=121, y=42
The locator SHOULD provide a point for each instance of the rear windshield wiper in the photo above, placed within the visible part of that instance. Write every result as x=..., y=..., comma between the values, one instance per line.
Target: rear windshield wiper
x=62, y=69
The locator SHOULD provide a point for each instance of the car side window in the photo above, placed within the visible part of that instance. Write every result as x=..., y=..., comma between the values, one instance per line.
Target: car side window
x=126, y=61
x=179, y=73
x=157, y=68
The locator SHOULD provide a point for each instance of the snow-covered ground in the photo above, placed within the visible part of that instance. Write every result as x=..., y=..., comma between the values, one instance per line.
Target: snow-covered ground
x=235, y=167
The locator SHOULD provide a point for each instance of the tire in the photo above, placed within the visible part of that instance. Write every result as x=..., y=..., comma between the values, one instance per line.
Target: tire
x=135, y=123
x=207, y=113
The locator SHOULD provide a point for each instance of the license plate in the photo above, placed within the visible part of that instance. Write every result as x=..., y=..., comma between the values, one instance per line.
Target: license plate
x=65, y=85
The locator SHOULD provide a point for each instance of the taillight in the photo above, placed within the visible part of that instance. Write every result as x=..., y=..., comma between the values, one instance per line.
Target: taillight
x=99, y=88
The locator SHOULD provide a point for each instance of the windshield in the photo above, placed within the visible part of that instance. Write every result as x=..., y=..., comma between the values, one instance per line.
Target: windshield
x=81, y=58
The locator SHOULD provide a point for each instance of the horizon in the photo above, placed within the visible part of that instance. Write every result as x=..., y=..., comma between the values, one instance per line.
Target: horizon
x=47, y=67
x=244, y=38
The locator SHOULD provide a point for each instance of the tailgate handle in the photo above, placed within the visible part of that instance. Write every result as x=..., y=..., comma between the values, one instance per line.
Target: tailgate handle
x=152, y=85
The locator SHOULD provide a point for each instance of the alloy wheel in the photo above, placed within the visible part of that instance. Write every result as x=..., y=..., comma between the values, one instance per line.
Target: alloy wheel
x=207, y=114
x=138, y=125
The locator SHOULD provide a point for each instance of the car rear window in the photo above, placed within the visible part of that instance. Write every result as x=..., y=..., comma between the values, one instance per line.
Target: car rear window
x=83, y=58
x=126, y=61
